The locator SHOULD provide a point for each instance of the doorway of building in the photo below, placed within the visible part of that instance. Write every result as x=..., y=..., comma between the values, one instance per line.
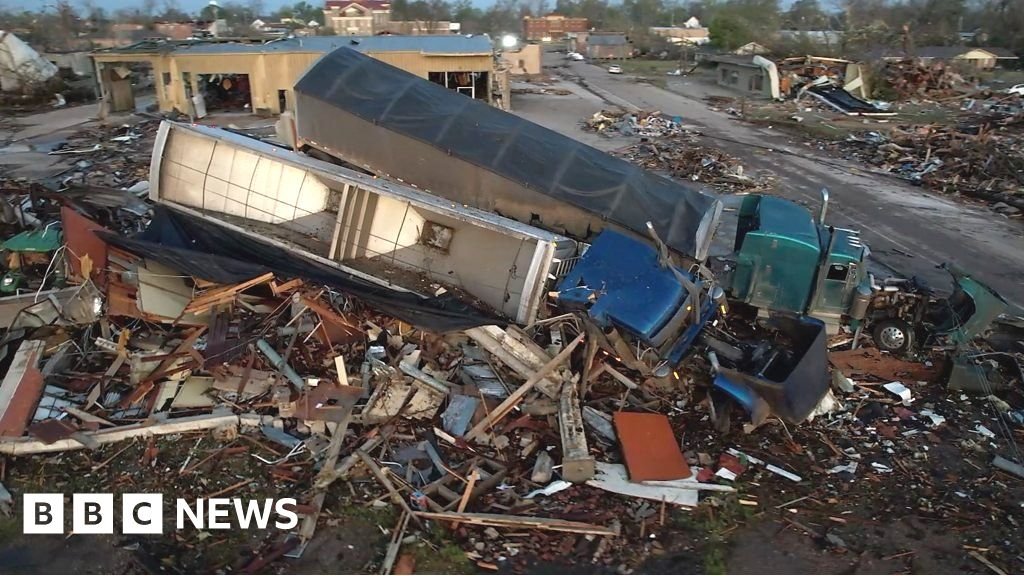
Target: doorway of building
x=226, y=92
x=472, y=84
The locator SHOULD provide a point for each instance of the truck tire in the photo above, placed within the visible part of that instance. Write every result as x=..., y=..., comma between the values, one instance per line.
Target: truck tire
x=893, y=335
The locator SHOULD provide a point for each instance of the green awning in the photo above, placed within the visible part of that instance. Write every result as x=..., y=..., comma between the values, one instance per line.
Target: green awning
x=45, y=240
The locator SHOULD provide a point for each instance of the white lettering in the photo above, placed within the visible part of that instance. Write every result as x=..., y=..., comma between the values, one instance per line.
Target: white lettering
x=184, y=509
x=286, y=507
x=218, y=508
x=253, y=510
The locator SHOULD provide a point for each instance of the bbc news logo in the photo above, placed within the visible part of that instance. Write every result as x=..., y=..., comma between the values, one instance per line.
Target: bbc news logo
x=144, y=513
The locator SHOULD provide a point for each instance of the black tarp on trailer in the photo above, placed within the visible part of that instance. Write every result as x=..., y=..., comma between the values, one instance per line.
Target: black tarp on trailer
x=394, y=123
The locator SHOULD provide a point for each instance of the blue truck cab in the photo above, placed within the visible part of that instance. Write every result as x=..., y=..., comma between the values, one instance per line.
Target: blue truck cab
x=621, y=282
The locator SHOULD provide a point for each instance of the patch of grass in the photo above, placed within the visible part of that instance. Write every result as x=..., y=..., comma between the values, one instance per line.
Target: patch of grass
x=440, y=555
x=10, y=528
x=710, y=526
x=714, y=561
x=382, y=516
x=447, y=559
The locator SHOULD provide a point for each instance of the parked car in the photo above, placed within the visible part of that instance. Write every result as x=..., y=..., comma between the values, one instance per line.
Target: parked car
x=1017, y=89
x=615, y=69
x=576, y=56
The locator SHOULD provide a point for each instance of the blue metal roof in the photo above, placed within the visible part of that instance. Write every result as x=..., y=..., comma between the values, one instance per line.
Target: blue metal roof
x=426, y=44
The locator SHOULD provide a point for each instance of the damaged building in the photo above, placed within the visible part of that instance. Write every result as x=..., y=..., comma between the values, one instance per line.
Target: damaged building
x=196, y=77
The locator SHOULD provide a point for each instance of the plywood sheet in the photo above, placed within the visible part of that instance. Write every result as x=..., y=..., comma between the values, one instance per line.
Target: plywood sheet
x=649, y=447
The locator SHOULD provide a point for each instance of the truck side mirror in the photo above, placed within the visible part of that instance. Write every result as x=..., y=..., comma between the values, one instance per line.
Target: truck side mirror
x=824, y=206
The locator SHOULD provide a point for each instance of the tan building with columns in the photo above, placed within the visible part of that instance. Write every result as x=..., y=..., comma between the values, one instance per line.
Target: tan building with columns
x=258, y=77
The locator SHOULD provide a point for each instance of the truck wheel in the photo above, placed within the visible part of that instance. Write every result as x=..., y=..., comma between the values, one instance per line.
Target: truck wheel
x=893, y=335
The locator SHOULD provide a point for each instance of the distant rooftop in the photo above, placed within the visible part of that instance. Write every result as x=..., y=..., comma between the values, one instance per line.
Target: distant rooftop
x=370, y=4
x=939, y=52
x=425, y=44
x=606, y=40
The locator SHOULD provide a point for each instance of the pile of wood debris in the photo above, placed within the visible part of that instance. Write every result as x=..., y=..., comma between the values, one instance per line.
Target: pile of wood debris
x=982, y=160
x=911, y=78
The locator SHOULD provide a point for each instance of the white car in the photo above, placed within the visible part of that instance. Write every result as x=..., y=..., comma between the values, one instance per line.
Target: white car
x=1018, y=90
x=575, y=56
x=614, y=69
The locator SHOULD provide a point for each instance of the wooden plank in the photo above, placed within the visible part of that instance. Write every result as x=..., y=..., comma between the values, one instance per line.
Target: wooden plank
x=331, y=317
x=86, y=417
x=421, y=376
x=330, y=460
x=381, y=477
x=289, y=286
x=577, y=463
x=19, y=446
x=467, y=494
x=516, y=397
x=508, y=521
x=210, y=298
x=514, y=354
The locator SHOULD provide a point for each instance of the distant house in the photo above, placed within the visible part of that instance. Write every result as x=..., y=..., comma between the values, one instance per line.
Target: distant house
x=552, y=27
x=602, y=46
x=978, y=58
x=677, y=35
x=823, y=37
x=741, y=73
x=751, y=48
x=1005, y=58
x=370, y=17
x=692, y=22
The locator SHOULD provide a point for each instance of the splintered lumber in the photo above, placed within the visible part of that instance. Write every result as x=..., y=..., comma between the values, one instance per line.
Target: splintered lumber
x=426, y=379
x=216, y=296
x=381, y=477
x=516, y=397
x=326, y=476
x=522, y=359
x=467, y=494
x=18, y=446
x=577, y=463
x=333, y=451
x=395, y=545
x=508, y=521
x=331, y=317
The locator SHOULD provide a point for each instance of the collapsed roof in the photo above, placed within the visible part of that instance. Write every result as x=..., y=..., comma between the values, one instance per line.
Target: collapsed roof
x=395, y=123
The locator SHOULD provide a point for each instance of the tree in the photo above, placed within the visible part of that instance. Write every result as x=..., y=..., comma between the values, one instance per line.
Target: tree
x=805, y=15
x=172, y=12
x=729, y=31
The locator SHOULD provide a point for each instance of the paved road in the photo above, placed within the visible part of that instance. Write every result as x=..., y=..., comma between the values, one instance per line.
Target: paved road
x=908, y=229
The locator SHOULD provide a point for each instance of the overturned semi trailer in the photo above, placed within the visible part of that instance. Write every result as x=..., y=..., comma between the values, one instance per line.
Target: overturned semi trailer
x=395, y=124
x=379, y=232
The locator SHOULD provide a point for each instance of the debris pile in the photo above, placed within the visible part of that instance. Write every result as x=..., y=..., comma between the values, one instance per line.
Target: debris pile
x=111, y=156
x=647, y=124
x=542, y=90
x=980, y=160
x=912, y=78
x=683, y=158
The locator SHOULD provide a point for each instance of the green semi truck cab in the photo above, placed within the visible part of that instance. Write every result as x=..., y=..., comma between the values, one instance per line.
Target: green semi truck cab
x=786, y=261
